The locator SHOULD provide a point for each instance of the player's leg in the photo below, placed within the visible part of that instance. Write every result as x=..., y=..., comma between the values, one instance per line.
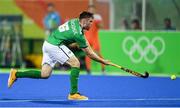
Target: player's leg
x=74, y=76
x=44, y=73
x=64, y=55
x=47, y=66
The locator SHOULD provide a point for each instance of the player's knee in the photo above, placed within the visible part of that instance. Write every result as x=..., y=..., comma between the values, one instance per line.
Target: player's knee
x=46, y=71
x=45, y=75
x=75, y=64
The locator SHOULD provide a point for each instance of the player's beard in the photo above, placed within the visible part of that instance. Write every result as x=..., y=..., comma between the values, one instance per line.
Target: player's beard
x=86, y=27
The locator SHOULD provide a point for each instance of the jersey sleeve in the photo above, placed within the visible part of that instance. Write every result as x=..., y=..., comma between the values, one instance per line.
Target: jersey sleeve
x=81, y=41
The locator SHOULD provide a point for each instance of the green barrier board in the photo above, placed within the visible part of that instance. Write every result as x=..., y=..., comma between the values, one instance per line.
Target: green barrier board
x=156, y=52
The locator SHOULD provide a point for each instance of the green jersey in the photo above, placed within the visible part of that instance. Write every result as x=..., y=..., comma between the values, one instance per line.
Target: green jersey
x=67, y=33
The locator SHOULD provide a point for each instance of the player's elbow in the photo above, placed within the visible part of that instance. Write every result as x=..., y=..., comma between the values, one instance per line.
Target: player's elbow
x=90, y=54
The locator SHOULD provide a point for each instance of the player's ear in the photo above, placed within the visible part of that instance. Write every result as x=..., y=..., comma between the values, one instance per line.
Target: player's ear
x=84, y=22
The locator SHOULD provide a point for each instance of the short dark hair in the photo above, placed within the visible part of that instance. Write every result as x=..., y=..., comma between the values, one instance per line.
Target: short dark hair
x=135, y=21
x=85, y=14
x=50, y=5
x=167, y=19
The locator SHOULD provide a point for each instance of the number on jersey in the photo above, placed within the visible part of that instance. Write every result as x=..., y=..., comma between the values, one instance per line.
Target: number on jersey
x=64, y=27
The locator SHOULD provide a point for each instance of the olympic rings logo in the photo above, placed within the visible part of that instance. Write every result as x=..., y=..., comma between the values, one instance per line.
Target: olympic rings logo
x=143, y=52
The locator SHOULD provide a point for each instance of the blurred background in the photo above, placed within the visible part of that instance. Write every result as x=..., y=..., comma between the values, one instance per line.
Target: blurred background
x=138, y=34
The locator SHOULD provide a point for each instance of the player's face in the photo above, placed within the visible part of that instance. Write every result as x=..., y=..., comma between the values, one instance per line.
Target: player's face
x=167, y=23
x=50, y=9
x=87, y=23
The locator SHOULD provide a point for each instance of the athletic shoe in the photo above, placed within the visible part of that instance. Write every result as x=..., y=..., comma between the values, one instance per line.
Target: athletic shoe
x=77, y=96
x=12, y=77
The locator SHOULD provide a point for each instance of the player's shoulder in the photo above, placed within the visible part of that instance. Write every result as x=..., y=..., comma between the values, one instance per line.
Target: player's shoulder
x=75, y=26
x=75, y=20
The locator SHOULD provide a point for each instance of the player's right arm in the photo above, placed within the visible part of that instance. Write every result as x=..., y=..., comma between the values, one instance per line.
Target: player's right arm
x=90, y=53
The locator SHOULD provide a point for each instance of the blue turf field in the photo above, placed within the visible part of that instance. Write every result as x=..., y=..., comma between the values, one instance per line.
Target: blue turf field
x=103, y=91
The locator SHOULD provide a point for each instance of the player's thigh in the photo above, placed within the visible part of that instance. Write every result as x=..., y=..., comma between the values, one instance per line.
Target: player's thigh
x=73, y=61
x=47, y=62
x=63, y=54
x=47, y=57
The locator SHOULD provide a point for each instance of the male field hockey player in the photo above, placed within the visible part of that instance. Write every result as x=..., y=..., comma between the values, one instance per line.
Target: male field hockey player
x=55, y=50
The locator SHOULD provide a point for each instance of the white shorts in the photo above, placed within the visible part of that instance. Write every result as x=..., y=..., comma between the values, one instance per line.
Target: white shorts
x=53, y=54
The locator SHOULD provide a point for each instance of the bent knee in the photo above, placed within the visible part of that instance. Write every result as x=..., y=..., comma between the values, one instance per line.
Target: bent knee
x=75, y=64
x=45, y=75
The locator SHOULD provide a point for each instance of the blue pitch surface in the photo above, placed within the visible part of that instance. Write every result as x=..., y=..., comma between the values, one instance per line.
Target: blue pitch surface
x=103, y=91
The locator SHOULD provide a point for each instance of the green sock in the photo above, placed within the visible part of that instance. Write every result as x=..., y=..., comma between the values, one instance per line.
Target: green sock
x=74, y=79
x=29, y=74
